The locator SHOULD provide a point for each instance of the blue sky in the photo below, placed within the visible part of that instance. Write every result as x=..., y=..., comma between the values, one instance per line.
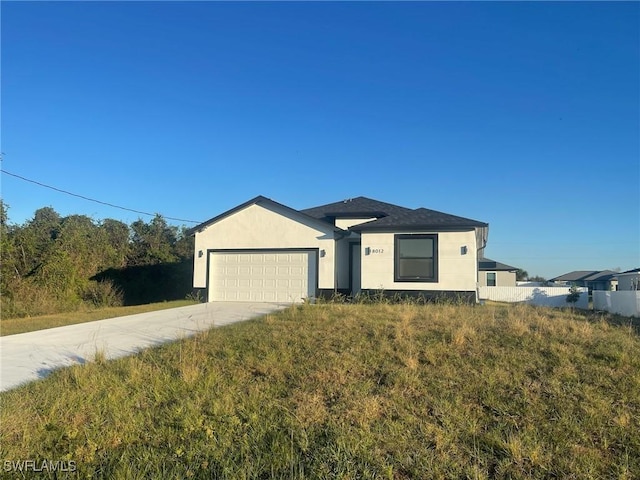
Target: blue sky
x=522, y=115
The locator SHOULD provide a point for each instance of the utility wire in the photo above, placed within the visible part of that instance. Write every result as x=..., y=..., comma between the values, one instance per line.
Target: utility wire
x=93, y=199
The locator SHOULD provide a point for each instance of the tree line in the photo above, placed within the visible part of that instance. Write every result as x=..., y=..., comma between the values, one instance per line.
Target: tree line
x=53, y=264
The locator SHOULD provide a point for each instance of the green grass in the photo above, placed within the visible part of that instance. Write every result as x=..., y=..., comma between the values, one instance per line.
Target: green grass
x=11, y=326
x=351, y=391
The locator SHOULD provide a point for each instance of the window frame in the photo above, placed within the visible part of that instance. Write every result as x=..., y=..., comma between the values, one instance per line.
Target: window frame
x=396, y=257
x=495, y=279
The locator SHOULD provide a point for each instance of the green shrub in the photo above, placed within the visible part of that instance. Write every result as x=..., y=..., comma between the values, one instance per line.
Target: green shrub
x=103, y=294
x=574, y=295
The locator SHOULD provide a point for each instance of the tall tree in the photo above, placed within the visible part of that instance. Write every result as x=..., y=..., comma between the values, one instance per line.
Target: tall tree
x=184, y=244
x=117, y=236
x=8, y=258
x=36, y=238
x=153, y=243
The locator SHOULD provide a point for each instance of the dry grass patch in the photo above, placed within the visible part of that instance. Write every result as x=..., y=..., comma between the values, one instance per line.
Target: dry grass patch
x=351, y=391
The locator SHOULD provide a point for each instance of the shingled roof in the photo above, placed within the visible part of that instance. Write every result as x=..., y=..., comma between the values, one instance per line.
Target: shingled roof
x=634, y=270
x=388, y=217
x=488, y=264
x=420, y=218
x=355, y=208
x=585, y=276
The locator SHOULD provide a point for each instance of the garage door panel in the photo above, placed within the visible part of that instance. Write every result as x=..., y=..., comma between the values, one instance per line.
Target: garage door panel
x=284, y=271
x=262, y=276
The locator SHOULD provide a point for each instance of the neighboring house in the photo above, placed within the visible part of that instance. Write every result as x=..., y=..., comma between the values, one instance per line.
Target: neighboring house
x=265, y=251
x=495, y=274
x=592, y=279
x=629, y=280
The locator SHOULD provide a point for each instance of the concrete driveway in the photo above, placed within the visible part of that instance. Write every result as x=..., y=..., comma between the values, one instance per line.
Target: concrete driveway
x=29, y=356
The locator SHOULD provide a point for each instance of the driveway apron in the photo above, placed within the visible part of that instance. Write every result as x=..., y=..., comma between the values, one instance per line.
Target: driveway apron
x=29, y=356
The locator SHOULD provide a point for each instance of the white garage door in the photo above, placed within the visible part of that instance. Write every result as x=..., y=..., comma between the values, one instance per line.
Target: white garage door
x=265, y=276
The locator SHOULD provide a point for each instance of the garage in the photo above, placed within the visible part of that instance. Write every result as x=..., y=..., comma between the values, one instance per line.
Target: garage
x=262, y=275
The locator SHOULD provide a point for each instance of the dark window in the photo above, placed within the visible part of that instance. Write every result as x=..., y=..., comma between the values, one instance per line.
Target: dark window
x=491, y=279
x=416, y=258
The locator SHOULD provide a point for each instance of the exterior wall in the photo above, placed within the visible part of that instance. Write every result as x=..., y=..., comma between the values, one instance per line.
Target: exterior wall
x=603, y=286
x=345, y=223
x=258, y=227
x=503, y=278
x=456, y=272
x=626, y=281
x=626, y=302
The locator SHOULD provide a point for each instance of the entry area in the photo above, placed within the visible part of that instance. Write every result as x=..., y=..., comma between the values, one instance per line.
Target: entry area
x=262, y=275
x=355, y=268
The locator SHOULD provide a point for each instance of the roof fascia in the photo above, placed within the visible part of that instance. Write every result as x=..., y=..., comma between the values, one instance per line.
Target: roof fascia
x=497, y=269
x=369, y=227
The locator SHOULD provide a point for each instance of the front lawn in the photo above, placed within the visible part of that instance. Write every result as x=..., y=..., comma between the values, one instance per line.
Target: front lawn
x=350, y=391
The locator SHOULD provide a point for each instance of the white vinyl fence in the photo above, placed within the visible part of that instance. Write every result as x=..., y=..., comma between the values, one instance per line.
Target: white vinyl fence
x=543, y=296
x=623, y=302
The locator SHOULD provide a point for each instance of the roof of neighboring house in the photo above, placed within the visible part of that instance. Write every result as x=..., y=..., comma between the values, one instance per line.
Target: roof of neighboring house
x=634, y=270
x=488, y=264
x=573, y=276
x=586, y=276
x=602, y=276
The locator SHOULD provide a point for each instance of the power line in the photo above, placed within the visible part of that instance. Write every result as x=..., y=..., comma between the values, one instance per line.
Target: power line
x=93, y=199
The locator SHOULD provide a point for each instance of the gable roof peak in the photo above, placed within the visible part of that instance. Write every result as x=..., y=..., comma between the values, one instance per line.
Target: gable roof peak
x=355, y=206
x=265, y=202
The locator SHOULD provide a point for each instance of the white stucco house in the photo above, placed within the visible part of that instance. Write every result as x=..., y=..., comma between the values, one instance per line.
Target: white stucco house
x=629, y=280
x=262, y=250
